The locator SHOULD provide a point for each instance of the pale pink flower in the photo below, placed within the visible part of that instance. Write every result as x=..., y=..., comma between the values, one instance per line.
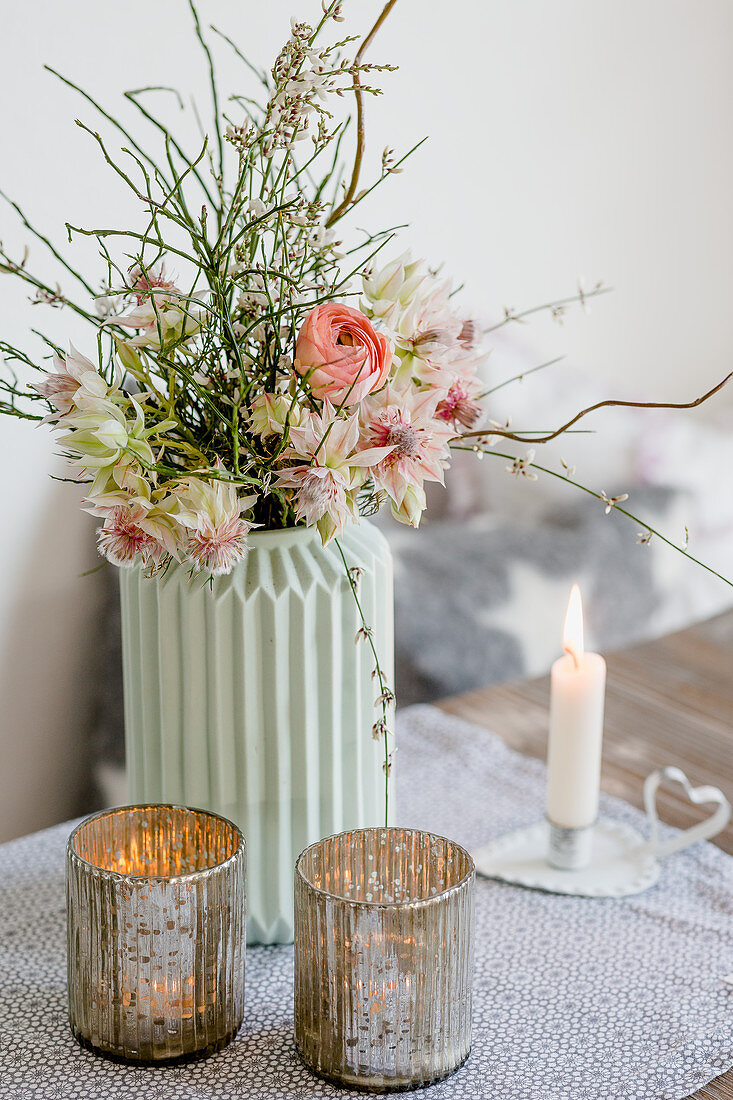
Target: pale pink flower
x=468, y=337
x=58, y=387
x=154, y=281
x=458, y=406
x=439, y=333
x=342, y=355
x=334, y=469
x=429, y=327
x=123, y=540
x=389, y=293
x=322, y=499
x=412, y=507
x=163, y=310
x=433, y=342
x=199, y=520
x=418, y=441
x=100, y=437
x=69, y=376
x=135, y=519
x=217, y=549
x=270, y=412
x=211, y=513
x=437, y=327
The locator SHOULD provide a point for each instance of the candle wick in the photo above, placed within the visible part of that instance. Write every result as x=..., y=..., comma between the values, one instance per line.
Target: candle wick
x=571, y=653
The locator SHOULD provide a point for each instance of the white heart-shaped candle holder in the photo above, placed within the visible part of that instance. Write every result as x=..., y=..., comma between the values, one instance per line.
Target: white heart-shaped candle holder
x=622, y=861
x=700, y=796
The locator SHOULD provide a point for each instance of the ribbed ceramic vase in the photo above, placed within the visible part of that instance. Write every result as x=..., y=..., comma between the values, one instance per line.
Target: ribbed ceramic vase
x=252, y=698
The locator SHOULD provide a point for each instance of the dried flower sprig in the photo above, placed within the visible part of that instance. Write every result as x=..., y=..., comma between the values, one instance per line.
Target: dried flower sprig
x=350, y=194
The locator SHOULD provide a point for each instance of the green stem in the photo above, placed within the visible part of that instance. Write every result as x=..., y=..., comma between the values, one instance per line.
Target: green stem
x=214, y=96
x=520, y=377
x=131, y=96
x=105, y=114
x=48, y=243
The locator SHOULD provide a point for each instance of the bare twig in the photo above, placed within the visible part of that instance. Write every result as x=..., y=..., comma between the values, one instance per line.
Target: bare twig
x=360, y=129
x=518, y=438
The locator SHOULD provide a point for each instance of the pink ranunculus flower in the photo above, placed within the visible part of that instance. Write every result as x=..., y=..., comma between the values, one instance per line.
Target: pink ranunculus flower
x=344, y=357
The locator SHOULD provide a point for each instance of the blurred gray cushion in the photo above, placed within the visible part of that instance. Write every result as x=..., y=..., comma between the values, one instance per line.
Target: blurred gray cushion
x=482, y=600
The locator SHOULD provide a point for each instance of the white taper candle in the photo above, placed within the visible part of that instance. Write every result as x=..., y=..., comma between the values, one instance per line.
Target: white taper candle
x=578, y=683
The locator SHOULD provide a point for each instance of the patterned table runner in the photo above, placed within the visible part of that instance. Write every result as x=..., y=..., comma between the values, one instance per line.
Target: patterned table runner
x=574, y=999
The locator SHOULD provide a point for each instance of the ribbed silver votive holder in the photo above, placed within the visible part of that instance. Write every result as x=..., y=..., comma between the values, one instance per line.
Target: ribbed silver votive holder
x=384, y=957
x=156, y=932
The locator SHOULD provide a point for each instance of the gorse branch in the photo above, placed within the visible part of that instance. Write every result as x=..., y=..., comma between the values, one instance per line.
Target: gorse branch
x=214, y=94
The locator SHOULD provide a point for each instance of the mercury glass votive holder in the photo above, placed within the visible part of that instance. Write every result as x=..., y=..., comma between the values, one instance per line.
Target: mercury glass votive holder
x=384, y=958
x=155, y=909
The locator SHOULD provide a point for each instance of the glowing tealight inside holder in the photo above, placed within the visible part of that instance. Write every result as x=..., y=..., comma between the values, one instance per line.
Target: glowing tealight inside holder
x=384, y=958
x=156, y=932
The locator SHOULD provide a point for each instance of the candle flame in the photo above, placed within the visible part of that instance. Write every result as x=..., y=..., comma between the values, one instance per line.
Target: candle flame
x=572, y=634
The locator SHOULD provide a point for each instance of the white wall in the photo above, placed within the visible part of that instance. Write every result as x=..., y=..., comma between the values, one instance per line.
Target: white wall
x=567, y=138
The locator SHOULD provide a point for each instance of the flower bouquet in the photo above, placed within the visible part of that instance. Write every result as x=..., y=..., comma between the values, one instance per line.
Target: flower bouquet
x=257, y=368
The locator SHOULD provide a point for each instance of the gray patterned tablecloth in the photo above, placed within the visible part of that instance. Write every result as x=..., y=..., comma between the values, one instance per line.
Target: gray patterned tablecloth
x=575, y=999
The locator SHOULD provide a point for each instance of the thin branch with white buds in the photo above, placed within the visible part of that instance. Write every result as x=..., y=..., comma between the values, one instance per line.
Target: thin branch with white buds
x=386, y=695
x=610, y=503
x=520, y=377
x=557, y=308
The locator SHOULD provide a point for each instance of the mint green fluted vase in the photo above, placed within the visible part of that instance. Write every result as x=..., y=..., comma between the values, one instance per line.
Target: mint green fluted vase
x=252, y=698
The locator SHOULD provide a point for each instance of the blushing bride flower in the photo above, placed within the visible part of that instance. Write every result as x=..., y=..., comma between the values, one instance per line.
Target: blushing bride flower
x=211, y=513
x=164, y=313
x=72, y=379
x=390, y=292
x=413, y=304
x=270, y=412
x=342, y=355
x=100, y=437
x=434, y=344
x=125, y=540
x=460, y=405
x=405, y=422
x=431, y=329
x=153, y=281
x=137, y=528
x=334, y=469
